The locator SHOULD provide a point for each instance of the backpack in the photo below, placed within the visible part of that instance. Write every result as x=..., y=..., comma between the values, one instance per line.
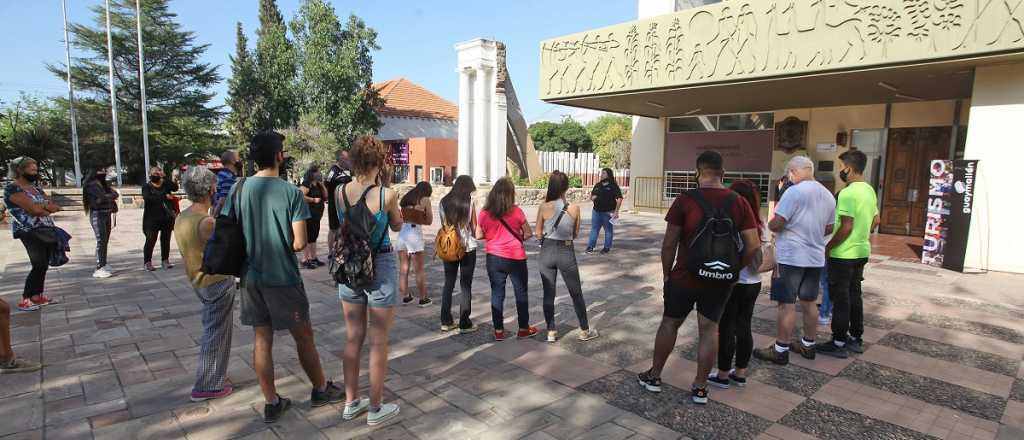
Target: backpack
x=448, y=245
x=224, y=253
x=352, y=264
x=713, y=255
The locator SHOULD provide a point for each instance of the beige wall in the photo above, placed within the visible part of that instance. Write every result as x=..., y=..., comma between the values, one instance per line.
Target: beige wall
x=996, y=112
x=822, y=125
x=647, y=156
x=922, y=114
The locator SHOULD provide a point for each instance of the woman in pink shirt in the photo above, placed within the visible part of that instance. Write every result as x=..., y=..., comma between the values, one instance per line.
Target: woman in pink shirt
x=504, y=226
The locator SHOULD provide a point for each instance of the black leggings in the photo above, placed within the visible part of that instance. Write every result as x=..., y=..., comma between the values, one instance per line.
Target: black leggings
x=101, y=223
x=734, y=334
x=165, y=243
x=39, y=255
x=555, y=256
x=462, y=269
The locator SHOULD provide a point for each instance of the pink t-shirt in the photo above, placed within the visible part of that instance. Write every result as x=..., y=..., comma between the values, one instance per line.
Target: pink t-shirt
x=500, y=242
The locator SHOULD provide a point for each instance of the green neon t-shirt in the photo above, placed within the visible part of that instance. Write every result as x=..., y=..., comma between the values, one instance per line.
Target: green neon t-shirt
x=857, y=201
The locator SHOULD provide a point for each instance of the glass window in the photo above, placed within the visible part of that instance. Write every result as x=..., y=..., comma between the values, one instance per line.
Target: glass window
x=730, y=122
x=693, y=123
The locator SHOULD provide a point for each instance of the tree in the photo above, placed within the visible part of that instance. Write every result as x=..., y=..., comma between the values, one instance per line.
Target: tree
x=276, y=69
x=178, y=84
x=247, y=116
x=336, y=70
x=613, y=136
x=567, y=135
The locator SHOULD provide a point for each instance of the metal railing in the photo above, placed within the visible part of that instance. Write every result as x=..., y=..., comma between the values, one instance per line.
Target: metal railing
x=649, y=193
x=659, y=192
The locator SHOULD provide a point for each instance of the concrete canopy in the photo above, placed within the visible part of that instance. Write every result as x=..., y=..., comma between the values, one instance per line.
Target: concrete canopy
x=739, y=56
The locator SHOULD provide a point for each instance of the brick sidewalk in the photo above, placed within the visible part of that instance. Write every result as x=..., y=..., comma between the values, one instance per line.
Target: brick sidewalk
x=943, y=360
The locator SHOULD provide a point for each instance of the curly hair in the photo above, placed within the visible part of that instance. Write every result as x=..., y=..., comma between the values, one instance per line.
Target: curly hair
x=368, y=153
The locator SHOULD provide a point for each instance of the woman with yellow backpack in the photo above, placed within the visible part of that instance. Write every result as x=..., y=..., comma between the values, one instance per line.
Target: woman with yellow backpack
x=456, y=247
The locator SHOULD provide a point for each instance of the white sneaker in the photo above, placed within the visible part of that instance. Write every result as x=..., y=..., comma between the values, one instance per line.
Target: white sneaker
x=552, y=335
x=824, y=320
x=353, y=411
x=102, y=273
x=386, y=412
x=588, y=335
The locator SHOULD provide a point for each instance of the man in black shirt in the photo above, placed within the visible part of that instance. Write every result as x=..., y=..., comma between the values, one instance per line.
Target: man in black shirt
x=339, y=174
x=607, y=199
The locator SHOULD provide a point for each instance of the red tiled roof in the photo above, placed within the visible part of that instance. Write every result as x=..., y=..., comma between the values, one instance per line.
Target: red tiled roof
x=406, y=98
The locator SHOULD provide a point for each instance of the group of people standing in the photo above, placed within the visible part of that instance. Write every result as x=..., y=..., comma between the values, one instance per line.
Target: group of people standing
x=794, y=245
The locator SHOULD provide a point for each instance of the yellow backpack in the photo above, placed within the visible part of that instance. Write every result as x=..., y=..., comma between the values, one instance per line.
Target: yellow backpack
x=448, y=245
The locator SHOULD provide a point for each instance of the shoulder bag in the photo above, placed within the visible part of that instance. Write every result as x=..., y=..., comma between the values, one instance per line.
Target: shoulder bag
x=225, y=252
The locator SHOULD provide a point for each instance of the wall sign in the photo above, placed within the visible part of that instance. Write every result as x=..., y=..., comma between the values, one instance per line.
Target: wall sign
x=400, y=153
x=950, y=202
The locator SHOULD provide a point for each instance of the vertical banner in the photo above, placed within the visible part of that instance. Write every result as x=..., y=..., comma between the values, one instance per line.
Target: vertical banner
x=950, y=202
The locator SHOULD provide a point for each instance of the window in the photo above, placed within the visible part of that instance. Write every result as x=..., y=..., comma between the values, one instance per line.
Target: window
x=418, y=174
x=729, y=122
x=677, y=182
x=437, y=175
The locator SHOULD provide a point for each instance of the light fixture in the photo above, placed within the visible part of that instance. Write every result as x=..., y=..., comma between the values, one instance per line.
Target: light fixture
x=692, y=112
x=909, y=97
x=655, y=104
x=888, y=86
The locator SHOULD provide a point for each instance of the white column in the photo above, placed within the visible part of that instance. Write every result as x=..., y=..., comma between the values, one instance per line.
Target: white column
x=499, y=132
x=997, y=107
x=481, y=136
x=465, y=124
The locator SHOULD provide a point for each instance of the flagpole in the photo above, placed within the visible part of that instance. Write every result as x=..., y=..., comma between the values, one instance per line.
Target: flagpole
x=113, y=100
x=71, y=97
x=142, y=86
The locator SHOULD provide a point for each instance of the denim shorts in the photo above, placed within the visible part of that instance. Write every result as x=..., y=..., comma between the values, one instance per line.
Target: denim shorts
x=384, y=291
x=796, y=282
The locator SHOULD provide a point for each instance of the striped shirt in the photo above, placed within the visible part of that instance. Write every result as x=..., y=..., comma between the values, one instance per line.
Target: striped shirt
x=225, y=180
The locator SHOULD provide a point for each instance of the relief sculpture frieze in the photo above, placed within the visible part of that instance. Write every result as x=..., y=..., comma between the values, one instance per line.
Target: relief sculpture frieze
x=746, y=39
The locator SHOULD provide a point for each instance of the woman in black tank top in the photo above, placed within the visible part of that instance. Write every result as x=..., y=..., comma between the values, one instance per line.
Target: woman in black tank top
x=315, y=193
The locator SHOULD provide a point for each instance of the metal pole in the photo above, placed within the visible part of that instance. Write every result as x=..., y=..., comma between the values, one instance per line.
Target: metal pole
x=142, y=86
x=113, y=100
x=71, y=97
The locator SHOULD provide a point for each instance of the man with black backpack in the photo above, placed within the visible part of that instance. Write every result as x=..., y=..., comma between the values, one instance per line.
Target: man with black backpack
x=711, y=234
x=273, y=216
x=339, y=174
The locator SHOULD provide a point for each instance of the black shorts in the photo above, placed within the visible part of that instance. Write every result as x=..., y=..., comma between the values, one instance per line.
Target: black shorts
x=281, y=308
x=313, y=226
x=796, y=282
x=710, y=302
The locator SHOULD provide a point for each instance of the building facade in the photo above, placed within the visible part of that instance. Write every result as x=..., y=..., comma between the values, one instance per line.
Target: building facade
x=905, y=81
x=421, y=128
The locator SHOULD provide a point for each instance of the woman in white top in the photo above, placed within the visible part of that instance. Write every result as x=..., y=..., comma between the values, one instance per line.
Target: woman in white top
x=459, y=208
x=416, y=214
x=734, y=333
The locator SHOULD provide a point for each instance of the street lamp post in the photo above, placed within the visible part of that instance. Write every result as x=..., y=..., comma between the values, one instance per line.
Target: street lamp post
x=71, y=97
x=113, y=100
x=142, y=86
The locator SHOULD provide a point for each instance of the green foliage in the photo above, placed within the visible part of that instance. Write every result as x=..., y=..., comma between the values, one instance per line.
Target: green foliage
x=277, y=63
x=613, y=136
x=310, y=143
x=245, y=98
x=575, y=182
x=567, y=135
x=178, y=83
x=335, y=72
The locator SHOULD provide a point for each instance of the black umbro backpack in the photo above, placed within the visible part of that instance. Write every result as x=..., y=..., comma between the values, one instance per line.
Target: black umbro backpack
x=714, y=253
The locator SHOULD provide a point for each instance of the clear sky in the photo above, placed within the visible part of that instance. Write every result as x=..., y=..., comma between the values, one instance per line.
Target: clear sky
x=417, y=38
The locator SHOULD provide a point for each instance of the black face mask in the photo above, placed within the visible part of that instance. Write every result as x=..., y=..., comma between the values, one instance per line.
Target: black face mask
x=101, y=177
x=154, y=179
x=32, y=178
x=844, y=175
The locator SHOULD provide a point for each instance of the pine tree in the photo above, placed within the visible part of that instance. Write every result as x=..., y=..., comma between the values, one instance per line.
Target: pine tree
x=276, y=69
x=244, y=98
x=178, y=84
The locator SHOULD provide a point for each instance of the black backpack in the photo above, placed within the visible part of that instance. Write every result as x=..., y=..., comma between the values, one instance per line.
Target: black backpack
x=352, y=264
x=714, y=253
x=225, y=252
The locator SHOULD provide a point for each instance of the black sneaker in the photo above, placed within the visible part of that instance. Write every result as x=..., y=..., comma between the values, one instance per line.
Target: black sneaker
x=772, y=355
x=331, y=394
x=272, y=413
x=798, y=347
x=855, y=345
x=721, y=383
x=651, y=383
x=740, y=381
x=605, y=251
x=407, y=300
x=831, y=349
x=590, y=250
x=425, y=302
x=700, y=395
x=318, y=262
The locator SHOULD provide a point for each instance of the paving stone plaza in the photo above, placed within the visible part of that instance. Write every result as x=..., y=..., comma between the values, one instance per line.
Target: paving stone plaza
x=942, y=361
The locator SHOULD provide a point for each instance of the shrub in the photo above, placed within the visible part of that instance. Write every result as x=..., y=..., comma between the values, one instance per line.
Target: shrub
x=575, y=182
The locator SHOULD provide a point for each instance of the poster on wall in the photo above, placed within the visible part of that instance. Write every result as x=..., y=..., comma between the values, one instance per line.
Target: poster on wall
x=400, y=153
x=951, y=187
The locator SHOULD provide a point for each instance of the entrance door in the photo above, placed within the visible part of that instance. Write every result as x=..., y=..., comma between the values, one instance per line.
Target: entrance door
x=905, y=198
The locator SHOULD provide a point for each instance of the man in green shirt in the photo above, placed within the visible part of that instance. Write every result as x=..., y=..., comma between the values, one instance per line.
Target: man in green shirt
x=848, y=252
x=273, y=215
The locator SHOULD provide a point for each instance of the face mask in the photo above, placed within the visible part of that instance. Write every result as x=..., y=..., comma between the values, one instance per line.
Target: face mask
x=318, y=177
x=844, y=175
x=32, y=178
x=101, y=177
x=154, y=179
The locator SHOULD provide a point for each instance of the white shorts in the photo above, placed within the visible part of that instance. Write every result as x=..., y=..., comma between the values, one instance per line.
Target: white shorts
x=410, y=239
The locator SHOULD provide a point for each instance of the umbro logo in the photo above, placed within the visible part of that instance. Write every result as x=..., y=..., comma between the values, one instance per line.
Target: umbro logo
x=717, y=265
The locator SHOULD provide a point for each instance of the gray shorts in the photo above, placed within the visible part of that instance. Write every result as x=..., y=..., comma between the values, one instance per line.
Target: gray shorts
x=281, y=308
x=384, y=291
x=795, y=282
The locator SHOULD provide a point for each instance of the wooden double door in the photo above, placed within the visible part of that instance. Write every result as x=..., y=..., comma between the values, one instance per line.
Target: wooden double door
x=905, y=188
